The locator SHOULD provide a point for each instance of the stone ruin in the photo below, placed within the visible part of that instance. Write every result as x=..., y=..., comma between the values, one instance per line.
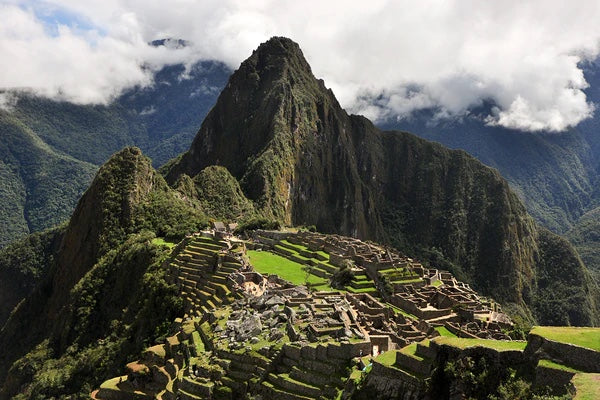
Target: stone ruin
x=434, y=297
x=245, y=332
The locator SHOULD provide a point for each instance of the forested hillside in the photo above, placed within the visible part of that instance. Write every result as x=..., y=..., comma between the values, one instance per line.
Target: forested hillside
x=50, y=150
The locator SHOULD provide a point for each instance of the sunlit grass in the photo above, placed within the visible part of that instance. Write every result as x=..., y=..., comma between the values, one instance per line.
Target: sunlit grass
x=269, y=263
x=584, y=337
x=463, y=343
x=162, y=242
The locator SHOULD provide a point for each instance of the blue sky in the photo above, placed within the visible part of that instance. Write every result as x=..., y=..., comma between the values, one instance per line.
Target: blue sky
x=52, y=16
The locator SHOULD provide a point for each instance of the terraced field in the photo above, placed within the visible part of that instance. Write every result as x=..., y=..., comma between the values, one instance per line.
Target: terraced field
x=499, y=345
x=361, y=283
x=266, y=262
x=579, y=336
x=201, y=270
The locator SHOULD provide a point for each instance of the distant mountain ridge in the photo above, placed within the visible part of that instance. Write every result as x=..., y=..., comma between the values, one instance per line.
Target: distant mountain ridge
x=50, y=150
x=556, y=174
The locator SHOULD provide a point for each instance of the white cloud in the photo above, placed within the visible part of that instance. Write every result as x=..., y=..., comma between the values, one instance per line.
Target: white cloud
x=382, y=58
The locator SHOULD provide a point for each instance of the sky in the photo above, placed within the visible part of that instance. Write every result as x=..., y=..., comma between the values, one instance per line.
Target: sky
x=383, y=59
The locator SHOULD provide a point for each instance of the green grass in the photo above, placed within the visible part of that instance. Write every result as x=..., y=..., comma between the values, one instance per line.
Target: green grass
x=401, y=311
x=437, y=283
x=410, y=350
x=322, y=253
x=112, y=383
x=297, y=246
x=270, y=263
x=198, y=342
x=387, y=358
x=463, y=343
x=584, y=337
x=321, y=287
x=587, y=386
x=356, y=374
x=409, y=280
x=442, y=330
x=553, y=365
x=162, y=242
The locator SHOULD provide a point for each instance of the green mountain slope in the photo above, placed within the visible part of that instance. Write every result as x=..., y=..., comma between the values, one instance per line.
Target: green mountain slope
x=303, y=160
x=23, y=264
x=585, y=235
x=552, y=173
x=38, y=184
x=101, y=292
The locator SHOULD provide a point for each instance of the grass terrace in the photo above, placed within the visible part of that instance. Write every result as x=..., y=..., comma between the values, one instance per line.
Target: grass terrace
x=162, y=242
x=443, y=331
x=387, y=358
x=553, y=365
x=269, y=263
x=584, y=337
x=499, y=345
x=437, y=283
x=587, y=386
x=297, y=246
x=400, y=275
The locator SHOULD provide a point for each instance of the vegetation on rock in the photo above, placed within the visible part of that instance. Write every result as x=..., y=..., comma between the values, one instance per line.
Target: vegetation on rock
x=104, y=295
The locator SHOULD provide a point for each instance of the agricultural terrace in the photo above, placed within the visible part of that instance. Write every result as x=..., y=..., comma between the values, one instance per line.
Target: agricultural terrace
x=269, y=263
x=162, y=242
x=584, y=337
x=499, y=345
x=587, y=386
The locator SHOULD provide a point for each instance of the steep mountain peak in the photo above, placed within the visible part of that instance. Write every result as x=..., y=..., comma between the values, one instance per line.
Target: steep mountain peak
x=271, y=105
x=103, y=216
x=301, y=159
x=278, y=54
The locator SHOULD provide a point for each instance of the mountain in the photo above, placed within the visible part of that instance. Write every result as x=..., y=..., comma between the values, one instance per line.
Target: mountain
x=276, y=145
x=585, y=236
x=103, y=294
x=555, y=174
x=50, y=150
x=301, y=159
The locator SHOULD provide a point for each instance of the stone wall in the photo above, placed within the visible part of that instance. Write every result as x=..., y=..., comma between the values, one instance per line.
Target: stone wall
x=552, y=377
x=390, y=383
x=574, y=356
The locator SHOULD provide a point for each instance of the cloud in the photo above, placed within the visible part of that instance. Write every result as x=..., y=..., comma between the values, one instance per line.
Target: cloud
x=385, y=59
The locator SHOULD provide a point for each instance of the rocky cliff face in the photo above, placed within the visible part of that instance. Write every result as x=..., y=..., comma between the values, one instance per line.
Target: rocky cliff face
x=303, y=160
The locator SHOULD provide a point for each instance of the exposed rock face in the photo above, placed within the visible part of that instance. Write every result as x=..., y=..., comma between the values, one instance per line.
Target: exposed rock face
x=298, y=155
